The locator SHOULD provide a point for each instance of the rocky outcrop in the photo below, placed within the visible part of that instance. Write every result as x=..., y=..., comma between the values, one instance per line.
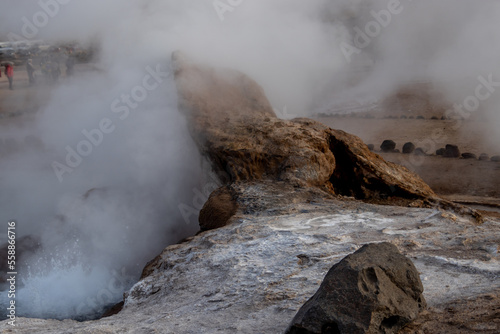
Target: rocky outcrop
x=374, y=290
x=234, y=126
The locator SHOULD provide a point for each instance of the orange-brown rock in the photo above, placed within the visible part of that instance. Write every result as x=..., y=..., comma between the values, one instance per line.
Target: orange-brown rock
x=234, y=125
x=220, y=207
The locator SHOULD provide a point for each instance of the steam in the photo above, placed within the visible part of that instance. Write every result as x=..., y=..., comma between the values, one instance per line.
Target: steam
x=119, y=206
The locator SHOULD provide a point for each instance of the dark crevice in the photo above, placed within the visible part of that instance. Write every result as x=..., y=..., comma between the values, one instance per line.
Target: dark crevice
x=393, y=322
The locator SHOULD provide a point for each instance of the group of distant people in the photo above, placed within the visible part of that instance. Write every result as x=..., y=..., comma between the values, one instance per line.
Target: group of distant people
x=49, y=68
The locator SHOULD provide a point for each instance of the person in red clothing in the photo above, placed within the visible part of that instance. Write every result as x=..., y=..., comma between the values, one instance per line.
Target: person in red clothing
x=9, y=72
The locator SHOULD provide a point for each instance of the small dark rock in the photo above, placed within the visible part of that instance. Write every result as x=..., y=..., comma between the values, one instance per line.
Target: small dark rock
x=484, y=157
x=371, y=147
x=408, y=148
x=495, y=158
x=388, y=145
x=434, y=118
x=440, y=151
x=374, y=290
x=419, y=151
x=451, y=151
x=469, y=156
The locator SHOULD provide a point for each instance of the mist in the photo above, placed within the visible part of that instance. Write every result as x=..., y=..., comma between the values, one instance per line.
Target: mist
x=102, y=217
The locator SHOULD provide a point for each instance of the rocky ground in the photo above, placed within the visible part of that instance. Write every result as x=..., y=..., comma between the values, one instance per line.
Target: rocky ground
x=252, y=275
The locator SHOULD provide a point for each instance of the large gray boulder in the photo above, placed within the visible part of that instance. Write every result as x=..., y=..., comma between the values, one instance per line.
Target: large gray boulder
x=374, y=290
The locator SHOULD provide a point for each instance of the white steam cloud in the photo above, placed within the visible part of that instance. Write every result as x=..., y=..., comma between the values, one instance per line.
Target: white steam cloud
x=117, y=207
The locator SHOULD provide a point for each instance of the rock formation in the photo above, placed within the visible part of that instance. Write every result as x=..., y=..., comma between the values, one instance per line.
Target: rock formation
x=234, y=125
x=374, y=290
x=235, y=128
x=280, y=223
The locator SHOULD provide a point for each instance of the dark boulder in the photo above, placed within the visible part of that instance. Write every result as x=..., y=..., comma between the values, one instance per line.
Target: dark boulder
x=440, y=151
x=469, y=156
x=388, y=145
x=374, y=290
x=495, y=158
x=484, y=157
x=451, y=151
x=408, y=148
